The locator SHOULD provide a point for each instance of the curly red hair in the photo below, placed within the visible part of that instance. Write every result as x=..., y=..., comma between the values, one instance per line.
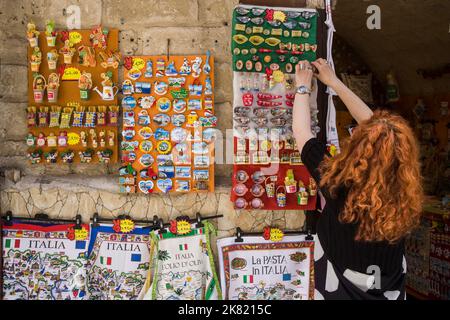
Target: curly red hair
x=379, y=167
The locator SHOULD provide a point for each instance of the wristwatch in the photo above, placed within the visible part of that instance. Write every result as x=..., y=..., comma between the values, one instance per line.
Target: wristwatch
x=303, y=90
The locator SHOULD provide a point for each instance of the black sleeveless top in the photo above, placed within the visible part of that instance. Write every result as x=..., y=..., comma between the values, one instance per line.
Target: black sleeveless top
x=337, y=239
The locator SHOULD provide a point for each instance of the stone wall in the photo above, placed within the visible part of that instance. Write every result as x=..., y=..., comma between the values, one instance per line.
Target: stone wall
x=65, y=190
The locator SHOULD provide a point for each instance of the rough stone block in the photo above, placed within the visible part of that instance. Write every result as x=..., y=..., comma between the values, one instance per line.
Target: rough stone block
x=188, y=40
x=13, y=122
x=13, y=83
x=216, y=12
x=144, y=13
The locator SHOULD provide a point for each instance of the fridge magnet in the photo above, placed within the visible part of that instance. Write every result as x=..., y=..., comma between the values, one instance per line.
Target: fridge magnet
x=32, y=35
x=160, y=67
x=182, y=186
x=185, y=68
x=163, y=104
x=161, y=87
x=134, y=74
x=162, y=134
x=196, y=67
x=143, y=118
x=128, y=102
x=148, y=69
x=127, y=87
x=182, y=172
x=179, y=105
x=35, y=156
x=146, y=146
x=128, y=119
x=52, y=87
x=178, y=120
x=164, y=185
x=30, y=140
x=171, y=71
x=68, y=51
x=146, y=102
x=161, y=119
x=98, y=37
x=36, y=59
x=67, y=156
x=52, y=59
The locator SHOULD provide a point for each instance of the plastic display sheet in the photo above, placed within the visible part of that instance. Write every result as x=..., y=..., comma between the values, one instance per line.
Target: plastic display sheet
x=118, y=263
x=267, y=43
x=56, y=128
x=183, y=267
x=44, y=262
x=168, y=124
x=258, y=269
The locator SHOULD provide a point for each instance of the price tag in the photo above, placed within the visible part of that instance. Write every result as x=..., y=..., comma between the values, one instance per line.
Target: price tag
x=75, y=37
x=126, y=225
x=276, y=234
x=71, y=74
x=138, y=63
x=183, y=227
x=73, y=138
x=81, y=234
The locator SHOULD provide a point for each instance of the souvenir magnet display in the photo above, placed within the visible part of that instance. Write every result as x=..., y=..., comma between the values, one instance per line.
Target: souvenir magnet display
x=166, y=100
x=62, y=108
x=266, y=44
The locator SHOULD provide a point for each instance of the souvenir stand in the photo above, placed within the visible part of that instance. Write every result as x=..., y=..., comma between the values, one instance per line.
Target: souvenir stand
x=168, y=124
x=72, y=94
x=266, y=44
x=274, y=265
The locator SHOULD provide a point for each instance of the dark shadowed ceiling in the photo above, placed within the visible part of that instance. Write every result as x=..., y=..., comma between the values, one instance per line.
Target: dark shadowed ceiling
x=414, y=34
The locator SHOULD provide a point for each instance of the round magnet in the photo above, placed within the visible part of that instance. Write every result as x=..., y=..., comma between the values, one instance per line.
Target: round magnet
x=146, y=133
x=146, y=160
x=241, y=176
x=244, y=51
x=179, y=105
x=161, y=119
x=179, y=135
x=163, y=104
x=239, y=64
x=129, y=102
x=258, y=177
x=160, y=88
x=240, y=203
x=164, y=147
x=236, y=51
x=257, y=203
x=240, y=189
x=267, y=59
x=143, y=118
x=257, y=190
x=178, y=120
x=146, y=146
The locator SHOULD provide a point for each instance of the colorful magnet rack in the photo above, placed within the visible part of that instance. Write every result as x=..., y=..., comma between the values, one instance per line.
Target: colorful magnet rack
x=168, y=124
x=266, y=38
x=73, y=108
x=268, y=172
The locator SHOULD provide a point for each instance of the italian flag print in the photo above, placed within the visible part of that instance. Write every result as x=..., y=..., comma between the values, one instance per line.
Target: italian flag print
x=106, y=260
x=183, y=247
x=248, y=279
x=9, y=243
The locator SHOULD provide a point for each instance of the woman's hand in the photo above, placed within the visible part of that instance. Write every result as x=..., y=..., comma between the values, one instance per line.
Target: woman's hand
x=303, y=74
x=325, y=73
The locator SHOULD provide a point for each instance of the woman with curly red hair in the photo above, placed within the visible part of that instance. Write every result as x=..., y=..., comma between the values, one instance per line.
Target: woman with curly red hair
x=372, y=190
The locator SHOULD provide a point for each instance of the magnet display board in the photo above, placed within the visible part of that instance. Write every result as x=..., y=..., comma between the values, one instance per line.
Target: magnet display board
x=267, y=43
x=69, y=92
x=168, y=124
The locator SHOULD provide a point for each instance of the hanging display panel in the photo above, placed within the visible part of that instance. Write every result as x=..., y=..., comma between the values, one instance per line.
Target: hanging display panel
x=118, y=261
x=183, y=265
x=258, y=269
x=168, y=124
x=267, y=43
x=44, y=262
x=73, y=111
